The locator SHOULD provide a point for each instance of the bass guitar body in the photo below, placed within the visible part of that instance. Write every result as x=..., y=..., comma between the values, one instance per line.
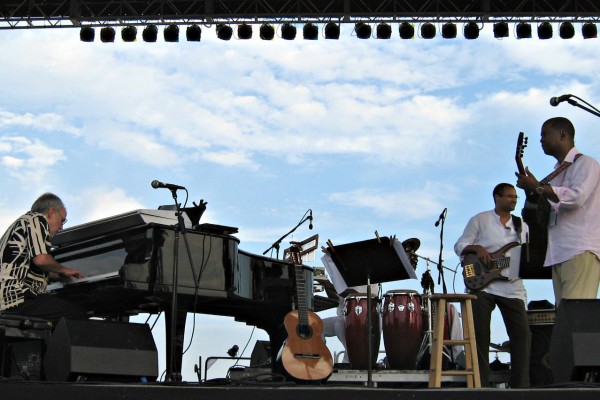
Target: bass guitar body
x=304, y=354
x=478, y=275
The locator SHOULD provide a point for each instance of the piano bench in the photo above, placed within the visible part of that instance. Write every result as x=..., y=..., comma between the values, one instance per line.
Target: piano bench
x=22, y=343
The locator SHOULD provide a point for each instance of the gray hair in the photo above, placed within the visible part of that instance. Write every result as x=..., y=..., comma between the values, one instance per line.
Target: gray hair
x=46, y=202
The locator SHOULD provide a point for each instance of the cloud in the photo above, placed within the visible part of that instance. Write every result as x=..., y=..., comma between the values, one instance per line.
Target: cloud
x=410, y=204
x=100, y=202
x=29, y=160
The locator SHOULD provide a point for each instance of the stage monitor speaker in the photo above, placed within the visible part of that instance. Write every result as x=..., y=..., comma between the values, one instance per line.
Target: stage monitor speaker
x=261, y=354
x=575, y=344
x=101, y=350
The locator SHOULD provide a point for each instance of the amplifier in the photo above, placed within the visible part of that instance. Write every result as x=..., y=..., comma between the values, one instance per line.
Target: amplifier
x=541, y=317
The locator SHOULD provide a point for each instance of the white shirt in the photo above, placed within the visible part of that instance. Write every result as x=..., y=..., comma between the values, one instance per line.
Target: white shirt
x=486, y=230
x=574, y=224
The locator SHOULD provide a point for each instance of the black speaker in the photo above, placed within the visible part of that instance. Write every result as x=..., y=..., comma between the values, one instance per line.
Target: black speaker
x=540, y=373
x=101, y=350
x=575, y=345
x=261, y=354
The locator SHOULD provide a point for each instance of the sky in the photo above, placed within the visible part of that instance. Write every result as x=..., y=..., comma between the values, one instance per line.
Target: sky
x=372, y=135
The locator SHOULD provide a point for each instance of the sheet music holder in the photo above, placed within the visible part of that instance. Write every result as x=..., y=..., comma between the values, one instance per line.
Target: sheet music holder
x=348, y=264
x=363, y=263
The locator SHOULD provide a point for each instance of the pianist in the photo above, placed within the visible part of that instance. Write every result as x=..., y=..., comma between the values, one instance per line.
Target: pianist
x=27, y=265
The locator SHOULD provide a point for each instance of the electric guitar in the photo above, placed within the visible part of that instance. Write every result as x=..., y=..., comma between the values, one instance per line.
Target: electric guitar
x=304, y=354
x=478, y=275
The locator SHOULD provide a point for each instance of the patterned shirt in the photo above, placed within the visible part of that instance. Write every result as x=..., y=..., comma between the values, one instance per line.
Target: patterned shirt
x=26, y=238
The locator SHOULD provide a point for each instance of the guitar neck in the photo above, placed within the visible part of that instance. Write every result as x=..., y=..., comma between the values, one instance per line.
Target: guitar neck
x=500, y=263
x=301, y=295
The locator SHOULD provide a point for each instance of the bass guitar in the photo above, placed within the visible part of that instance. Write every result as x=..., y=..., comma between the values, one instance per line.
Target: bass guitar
x=304, y=354
x=478, y=275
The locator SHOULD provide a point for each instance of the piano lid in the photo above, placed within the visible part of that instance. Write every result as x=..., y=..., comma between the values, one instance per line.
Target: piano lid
x=131, y=219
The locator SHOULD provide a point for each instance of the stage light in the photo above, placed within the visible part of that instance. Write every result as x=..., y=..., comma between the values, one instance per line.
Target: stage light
x=150, y=33
x=224, y=32
x=193, y=33
x=363, y=31
x=589, y=30
x=332, y=31
x=566, y=30
x=107, y=34
x=288, y=31
x=471, y=30
x=406, y=30
x=171, y=33
x=544, y=30
x=310, y=31
x=266, y=32
x=449, y=30
x=501, y=30
x=383, y=31
x=129, y=33
x=232, y=352
x=523, y=30
x=244, y=31
x=428, y=30
x=87, y=34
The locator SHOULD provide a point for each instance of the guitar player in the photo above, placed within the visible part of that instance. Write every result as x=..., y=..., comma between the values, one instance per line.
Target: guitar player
x=484, y=234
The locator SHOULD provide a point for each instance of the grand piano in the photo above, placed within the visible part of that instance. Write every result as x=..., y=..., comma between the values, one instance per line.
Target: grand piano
x=128, y=262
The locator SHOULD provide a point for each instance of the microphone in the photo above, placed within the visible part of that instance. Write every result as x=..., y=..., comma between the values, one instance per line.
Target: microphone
x=556, y=100
x=441, y=217
x=311, y=219
x=157, y=185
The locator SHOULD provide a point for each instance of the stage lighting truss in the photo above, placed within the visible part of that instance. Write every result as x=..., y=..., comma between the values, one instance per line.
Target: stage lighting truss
x=362, y=30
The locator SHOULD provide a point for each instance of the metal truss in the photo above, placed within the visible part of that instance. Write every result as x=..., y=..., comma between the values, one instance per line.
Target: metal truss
x=28, y=14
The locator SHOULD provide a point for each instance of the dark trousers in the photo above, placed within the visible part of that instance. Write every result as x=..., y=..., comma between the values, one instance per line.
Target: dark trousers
x=515, y=319
x=48, y=307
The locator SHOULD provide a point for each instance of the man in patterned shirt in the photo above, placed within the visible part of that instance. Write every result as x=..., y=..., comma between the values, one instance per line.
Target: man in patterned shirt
x=26, y=264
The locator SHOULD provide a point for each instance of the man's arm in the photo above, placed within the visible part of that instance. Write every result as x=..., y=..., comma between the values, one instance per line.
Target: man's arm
x=47, y=263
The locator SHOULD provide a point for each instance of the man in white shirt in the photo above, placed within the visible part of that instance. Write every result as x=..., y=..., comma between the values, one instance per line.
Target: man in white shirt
x=574, y=222
x=485, y=234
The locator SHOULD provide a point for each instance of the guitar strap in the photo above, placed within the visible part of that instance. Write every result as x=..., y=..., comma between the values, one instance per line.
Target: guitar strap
x=518, y=225
x=564, y=165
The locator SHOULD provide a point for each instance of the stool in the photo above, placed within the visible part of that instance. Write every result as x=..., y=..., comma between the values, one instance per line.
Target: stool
x=471, y=370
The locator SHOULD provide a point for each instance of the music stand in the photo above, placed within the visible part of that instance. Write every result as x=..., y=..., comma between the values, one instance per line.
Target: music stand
x=370, y=261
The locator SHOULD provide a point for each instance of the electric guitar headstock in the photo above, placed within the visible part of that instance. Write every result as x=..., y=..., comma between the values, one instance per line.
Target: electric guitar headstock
x=521, y=144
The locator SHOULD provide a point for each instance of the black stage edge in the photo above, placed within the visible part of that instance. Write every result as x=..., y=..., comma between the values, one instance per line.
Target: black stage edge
x=159, y=391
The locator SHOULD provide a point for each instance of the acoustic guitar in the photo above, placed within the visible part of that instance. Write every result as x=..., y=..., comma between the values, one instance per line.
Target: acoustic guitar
x=478, y=275
x=304, y=354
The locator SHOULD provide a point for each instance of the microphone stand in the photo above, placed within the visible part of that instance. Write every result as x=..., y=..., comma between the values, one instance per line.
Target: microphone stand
x=591, y=109
x=172, y=374
x=278, y=242
x=440, y=261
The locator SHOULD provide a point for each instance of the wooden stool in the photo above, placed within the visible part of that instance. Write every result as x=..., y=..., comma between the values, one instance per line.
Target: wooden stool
x=471, y=370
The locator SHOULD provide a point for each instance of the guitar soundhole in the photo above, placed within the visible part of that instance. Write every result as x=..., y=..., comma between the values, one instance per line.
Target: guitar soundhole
x=304, y=331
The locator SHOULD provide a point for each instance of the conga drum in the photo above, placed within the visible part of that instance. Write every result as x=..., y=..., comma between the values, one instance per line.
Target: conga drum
x=355, y=319
x=403, y=328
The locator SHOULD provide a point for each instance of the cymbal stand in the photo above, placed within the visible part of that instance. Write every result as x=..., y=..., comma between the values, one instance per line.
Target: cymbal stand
x=427, y=285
